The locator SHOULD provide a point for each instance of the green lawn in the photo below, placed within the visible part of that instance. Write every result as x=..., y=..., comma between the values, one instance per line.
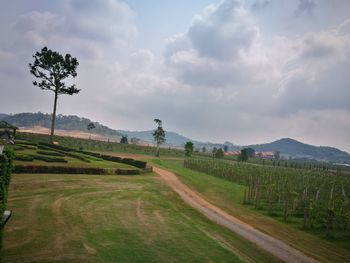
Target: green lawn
x=229, y=196
x=78, y=218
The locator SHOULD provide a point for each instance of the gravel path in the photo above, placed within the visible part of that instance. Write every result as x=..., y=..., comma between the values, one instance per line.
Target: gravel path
x=268, y=243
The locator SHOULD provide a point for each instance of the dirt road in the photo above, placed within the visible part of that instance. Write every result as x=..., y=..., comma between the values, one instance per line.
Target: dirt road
x=268, y=243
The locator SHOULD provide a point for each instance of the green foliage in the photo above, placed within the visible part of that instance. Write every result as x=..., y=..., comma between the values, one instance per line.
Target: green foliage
x=33, y=169
x=159, y=134
x=58, y=169
x=124, y=140
x=49, y=159
x=219, y=153
x=188, y=148
x=24, y=157
x=319, y=197
x=50, y=153
x=243, y=156
x=6, y=167
x=91, y=126
x=51, y=68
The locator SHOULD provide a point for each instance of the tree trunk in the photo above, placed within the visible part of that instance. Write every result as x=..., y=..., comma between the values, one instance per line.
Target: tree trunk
x=157, y=153
x=53, y=118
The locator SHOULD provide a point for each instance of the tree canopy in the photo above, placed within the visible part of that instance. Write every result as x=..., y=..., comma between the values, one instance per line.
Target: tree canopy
x=51, y=69
x=159, y=134
x=188, y=148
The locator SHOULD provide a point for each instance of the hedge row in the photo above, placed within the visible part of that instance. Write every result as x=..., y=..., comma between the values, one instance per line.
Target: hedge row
x=51, y=153
x=57, y=169
x=72, y=170
x=57, y=147
x=63, y=150
x=50, y=159
x=5, y=176
x=73, y=153
x=129, y=161
x=24, y=157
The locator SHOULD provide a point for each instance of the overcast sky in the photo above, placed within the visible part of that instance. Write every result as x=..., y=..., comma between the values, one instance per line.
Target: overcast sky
x=245, y=71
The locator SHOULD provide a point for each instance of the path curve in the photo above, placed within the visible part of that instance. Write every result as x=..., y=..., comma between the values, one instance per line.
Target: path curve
x=266, y=242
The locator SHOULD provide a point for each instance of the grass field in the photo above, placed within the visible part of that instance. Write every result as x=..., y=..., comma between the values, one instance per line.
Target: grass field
x=85, y=218
x=228, y=196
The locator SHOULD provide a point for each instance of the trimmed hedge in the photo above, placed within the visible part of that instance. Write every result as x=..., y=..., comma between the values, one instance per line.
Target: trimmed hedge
x=51, y=153
x=57, y=169
x=49, y=159
x=64, y=150
x=24, y=157
x=56, y=147
x=129, y=161
x=5, y=176
x=72, y=170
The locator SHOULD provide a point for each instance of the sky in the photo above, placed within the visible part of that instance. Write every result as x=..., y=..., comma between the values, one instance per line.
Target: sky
x=248, y=71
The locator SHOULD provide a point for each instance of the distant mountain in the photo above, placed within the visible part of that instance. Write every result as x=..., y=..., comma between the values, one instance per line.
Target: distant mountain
x=2, y=116
x=287, y=147
x=297, y=149
x=62, y=122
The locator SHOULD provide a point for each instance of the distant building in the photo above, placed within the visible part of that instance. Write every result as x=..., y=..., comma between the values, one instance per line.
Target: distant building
x=265, y=155
x=234, y=153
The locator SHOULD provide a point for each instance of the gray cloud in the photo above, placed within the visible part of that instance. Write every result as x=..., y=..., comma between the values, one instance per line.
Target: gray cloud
x=222, y=31
x=236, y=73
x=305, y=7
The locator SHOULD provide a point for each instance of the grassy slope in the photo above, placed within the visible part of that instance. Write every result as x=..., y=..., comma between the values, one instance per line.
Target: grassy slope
x=229, y=196
x=112, y=219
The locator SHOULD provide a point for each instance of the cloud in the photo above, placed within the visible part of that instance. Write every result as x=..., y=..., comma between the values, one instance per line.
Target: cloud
x=222, y=31
x=305, y=7
x=247, y=71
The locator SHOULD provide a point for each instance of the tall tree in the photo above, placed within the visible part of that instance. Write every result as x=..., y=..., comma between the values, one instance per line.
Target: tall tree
x=90, y=127
x=159, y=135
x=188, y=148
x=51, y=68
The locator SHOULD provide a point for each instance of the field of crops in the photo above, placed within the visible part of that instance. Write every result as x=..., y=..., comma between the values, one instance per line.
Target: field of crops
x=319, y=198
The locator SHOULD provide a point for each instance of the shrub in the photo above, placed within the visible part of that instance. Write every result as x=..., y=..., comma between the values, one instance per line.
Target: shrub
x=49, y=159
x=127, y=171
x=5, y=176
x=24, y=157
x=58, y=169
x=51, y=153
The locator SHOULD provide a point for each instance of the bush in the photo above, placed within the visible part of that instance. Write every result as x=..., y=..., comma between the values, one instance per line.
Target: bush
x=51, y=153
x=24, y=157
x=29, y=147
x=49, y=159
x=127, y=171
x=57, y=169
x=5, y=176
x=56, y=147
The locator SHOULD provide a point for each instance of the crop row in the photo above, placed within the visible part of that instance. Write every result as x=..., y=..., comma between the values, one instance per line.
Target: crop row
x=320, y=198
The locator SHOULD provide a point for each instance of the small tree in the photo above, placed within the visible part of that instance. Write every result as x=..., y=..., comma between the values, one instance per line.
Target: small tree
x=214, y=150
x=225, y=148
x=219, y=153
x=188, y=148
x=124, y=140
x=52, y=68
x=159, y=135
x=244, y=155
x=204, y=149
x=90, y=127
